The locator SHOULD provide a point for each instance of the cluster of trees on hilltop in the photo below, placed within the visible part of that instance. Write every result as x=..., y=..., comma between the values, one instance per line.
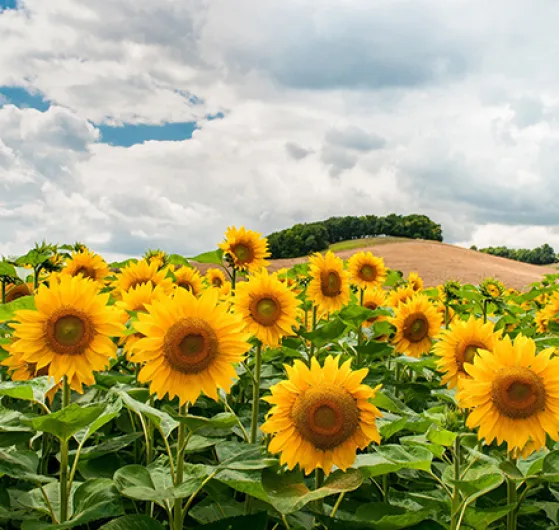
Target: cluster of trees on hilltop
x=303, y=239
x=543, y=255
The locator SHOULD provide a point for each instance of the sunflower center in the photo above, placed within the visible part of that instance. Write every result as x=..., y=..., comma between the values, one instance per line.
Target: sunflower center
x=69, y=331
x=186, y=285
x=330, y=283
x=266, y=311
x=372, y=306
x=326, y=416
x=216, y=282
x=190, y=345
x=416, y=327
x=86, y=272
x=243, y=253
x=368, y=273
x=518, y=393
x=17, y=292
x=466, y=353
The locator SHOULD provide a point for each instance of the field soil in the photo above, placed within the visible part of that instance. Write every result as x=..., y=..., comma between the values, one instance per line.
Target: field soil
x=438, y=262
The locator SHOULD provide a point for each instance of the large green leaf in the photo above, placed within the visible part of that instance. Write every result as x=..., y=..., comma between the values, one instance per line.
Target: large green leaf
x=236, y=455
x=64, y=423
x=393, y=458
x=257, y=521
x=355, y=315
x=161, y=419
x=112, y=445
x=326, y=333
x=177, y=259
x=482, y=518
x=7, y=269
x=21, y=465
x=216, y=424
x=133, y=522
x=214, y=256
x=7, y=311
x=33, y=390
x=287, y=492
x=111, y=411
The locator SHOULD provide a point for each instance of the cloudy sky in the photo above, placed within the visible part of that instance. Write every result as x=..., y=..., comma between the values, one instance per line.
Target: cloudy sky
x=129, y=124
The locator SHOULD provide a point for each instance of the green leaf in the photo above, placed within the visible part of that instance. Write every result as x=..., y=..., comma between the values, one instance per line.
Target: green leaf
x=550, y=468
x=237, y=455
x=21, y=465
x=355, y=315
x=209, y=511
x=163, y=420
x=7, y=269
x=214, y=256
x=390, y=428
x=381, y=516
x=177, y=259
x=393, y=458
x=440, y=436
x=112, y=445
x=219, y=422
x=33, y=390
x=34, y=257
x=287, y=492
x=249, y=482
x=326, y=333
x=133, y=522
x=64, y=423
x=7, y=311
x=473, y=489
x=257, y=521
x=482, y=518
x=510, y=470
x=111, y=411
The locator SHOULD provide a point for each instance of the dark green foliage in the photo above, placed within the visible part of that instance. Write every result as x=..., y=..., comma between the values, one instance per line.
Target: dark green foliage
x=543, y=255
x=306, y=238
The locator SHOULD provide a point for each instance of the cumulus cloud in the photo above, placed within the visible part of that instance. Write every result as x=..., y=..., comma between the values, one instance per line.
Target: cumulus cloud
x=413, y=106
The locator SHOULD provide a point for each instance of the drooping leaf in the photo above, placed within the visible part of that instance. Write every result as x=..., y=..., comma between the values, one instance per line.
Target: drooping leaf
x=257, y=521
x=21, y=465
x=65, y=422
x=32, y=390
x=214, y=256
x=133, y=522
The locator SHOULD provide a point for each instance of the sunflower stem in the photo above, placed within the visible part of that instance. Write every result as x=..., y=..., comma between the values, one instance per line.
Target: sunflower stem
x=318, y=481
x=313, y=325
x=455, y=501
x=512, y=499
x=256, y=393
x=337, y=505
x=36, y=272
x=485, y=302
x=233, y=279
x=64, y=458
x=179, y=470
x=360, y=331
x=446, y=316
x=3, y=289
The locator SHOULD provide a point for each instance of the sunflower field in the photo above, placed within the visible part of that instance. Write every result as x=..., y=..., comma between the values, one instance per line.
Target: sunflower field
x=341, y=395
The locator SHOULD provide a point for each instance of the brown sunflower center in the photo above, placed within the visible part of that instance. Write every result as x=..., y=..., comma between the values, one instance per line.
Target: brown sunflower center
x=17, y=292
x=190, y=345
x=243, y=253
x=330, y=283
x=266, y=311
x=216, y=281
x=326, y=416
x=186, y=285
x=368, y=273
x=416, y=327
x=466, y=353
x=86, y=272
x=138, y=281
x=69, y=331
x=518, y=393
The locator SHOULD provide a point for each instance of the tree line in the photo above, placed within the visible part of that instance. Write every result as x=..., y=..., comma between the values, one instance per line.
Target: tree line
x=543, y=255
x=305, y=238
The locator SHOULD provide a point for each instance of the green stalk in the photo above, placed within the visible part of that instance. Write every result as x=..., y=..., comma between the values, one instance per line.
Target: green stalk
x=512, y=499
x=64, y=458
x=455, y=502
x=360, y=331
x=36, y=272
x=311, y=352
x=179, y=470
x=446, y=316
x=318, y=481
x=3, y=289
x=256, y=393
x=485, y=302
x=233, y=279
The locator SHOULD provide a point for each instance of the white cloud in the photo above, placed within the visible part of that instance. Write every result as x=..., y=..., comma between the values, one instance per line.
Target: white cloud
x=447, y=108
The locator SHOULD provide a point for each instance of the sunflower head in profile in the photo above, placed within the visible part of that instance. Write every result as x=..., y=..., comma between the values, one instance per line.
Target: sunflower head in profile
x=513, y=394
x=321, y=416
x=373, y=299
x=137, y=273
x=417, y=322
x=158, y=257
x=267, y=306
x=18, y=291
x=329, y=285
x=400, y=295
x=190, y=279
x=415, y=282
x=215, y=278
x=459, y=345
x=190, y=346
x=87, y=264
x=69, y=333
x=491, y=288
x=366, y=270
x=245, y=249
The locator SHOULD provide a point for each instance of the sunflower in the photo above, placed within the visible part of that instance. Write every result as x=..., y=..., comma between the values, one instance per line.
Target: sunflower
x=142, y=272
x=459, y=345
x=321, y=416
x=87, y=264
x=491, y=288
x=158, y=257
x=329, y=285
x=374, y=299
x=190, y=279
x=400, y=295
x=69, y=332
x=415, y=281
x=417, y=322
x=268, y=307
x=190, y=346
x=245, y=249
x=18, y=291
x=139, y=297
x=513, y=394
x=366, y=270
x=215, y=278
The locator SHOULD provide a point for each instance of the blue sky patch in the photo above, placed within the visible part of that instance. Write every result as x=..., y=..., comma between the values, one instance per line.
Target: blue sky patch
x=8, y=4
x=128, y=135
x=22, y=98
